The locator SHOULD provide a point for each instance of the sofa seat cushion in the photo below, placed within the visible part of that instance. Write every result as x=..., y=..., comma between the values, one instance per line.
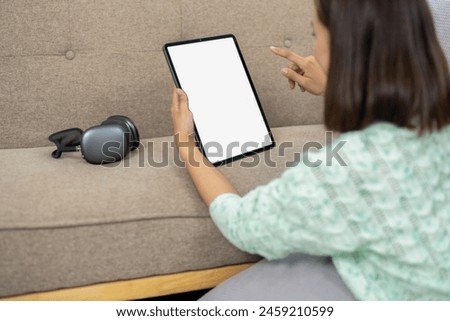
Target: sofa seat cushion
x=66, y=223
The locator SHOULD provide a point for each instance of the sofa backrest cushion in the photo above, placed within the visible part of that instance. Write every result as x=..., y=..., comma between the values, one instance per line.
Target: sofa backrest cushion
x=74, y=63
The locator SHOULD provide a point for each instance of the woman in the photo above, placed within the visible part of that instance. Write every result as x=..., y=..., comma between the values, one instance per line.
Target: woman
x=385, y=218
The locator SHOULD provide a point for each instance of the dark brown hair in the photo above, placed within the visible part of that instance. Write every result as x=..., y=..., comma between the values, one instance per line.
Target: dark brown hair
x=386, y=64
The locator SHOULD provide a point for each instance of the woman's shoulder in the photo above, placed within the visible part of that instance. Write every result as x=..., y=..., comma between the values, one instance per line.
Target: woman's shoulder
x=389, y=146
x=382, y=132
x=386, y=136
x=378, y=149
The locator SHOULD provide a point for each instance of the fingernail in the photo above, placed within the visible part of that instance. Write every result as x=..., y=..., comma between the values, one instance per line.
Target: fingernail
x=273, y=48
x=284, y=71
x=179, y=92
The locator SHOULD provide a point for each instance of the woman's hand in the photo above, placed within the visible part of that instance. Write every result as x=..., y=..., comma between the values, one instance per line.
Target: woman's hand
x=305, y=71
x=208, y=180
x=183, y=123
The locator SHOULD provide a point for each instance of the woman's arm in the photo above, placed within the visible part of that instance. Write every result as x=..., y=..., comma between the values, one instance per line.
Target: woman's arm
x=290, y=214
x=208, y=180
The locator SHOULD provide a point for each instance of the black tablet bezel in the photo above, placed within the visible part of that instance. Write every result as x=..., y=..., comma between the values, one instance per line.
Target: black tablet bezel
x=178, y=85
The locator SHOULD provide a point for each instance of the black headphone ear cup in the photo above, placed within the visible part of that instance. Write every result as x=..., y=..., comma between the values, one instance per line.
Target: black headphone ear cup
x=107, y=143
x=129, y=127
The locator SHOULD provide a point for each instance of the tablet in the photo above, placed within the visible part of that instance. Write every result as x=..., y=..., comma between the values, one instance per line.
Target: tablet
x=228, y=117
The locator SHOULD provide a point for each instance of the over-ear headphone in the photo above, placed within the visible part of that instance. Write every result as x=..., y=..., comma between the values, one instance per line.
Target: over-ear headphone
x=107, y=143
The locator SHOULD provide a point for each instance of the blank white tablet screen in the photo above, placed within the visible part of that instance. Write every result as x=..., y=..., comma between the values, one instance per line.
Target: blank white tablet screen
x=226, y=113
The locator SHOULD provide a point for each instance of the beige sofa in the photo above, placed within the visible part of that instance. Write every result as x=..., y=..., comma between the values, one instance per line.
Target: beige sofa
x=136, y=229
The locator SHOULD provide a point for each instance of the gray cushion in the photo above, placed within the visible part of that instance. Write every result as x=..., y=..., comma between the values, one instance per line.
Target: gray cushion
x=67, y=223
x=298, y=277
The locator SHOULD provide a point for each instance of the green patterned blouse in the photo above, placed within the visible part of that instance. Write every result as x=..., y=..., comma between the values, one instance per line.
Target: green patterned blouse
x=384, y=218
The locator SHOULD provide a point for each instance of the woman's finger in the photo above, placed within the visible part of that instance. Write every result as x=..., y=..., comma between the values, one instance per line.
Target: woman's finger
x=295, y=68
x=175, y=104
x=295, y=77
x=182, y=99
x=289, y=55
x=298, y=70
